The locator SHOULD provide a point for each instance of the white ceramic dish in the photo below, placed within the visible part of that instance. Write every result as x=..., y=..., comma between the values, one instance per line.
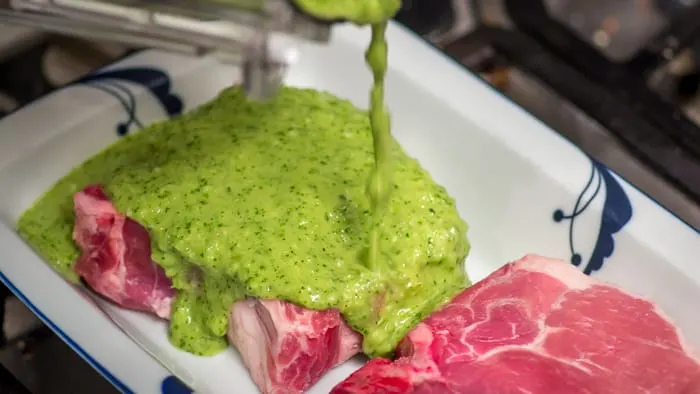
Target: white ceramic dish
x=516, y=182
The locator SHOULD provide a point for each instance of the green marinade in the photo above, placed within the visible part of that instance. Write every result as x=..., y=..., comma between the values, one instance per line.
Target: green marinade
x=268, y=199
x=377, y=14
x=361, y=12
x=271, y=200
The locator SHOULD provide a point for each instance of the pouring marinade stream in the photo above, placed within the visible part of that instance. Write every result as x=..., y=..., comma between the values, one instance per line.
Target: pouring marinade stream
x=304, y=198
x=380, y=178
x=376, y=13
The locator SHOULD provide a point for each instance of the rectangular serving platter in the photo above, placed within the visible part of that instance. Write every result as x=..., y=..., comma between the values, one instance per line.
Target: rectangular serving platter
x=521, y=187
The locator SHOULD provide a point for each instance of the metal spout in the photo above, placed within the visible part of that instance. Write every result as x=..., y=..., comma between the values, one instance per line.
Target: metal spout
x=262, y=73
x=233, y=31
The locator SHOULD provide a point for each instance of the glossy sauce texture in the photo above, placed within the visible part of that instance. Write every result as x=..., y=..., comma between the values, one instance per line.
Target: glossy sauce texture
x=269, y=200
x=305, y=199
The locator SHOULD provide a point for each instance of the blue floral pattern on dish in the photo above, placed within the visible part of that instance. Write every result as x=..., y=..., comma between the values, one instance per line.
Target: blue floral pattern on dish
x=158, y=83
x=112, y=82
x=617, y=212
x=172, y=385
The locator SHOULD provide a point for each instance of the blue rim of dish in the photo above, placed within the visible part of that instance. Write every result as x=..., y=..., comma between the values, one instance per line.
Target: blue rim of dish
x=119, y=385
x=169, y=385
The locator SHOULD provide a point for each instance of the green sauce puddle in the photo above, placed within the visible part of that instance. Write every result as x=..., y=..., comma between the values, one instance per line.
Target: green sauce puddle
x=304, y=198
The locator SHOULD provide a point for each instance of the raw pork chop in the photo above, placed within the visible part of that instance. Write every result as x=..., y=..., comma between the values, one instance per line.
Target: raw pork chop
x=116, y=256
x=537, y=326
x=287, y=349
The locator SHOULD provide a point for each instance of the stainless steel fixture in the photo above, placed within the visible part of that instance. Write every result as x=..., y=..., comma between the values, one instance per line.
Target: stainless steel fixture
x=233, y=31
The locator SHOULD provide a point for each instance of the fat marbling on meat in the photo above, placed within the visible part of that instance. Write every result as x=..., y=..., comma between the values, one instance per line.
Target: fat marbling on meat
x=115, y=258
x=286, y=348
x=297, y=346
x=537, y=326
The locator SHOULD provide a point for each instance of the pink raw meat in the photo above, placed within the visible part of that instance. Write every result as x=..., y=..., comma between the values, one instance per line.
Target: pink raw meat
x=537, y=326
x=287, y=348
x=116, y=256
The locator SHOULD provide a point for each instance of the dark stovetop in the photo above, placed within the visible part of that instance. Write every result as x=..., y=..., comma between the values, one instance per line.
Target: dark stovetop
x=618, y=78
x=616, y=94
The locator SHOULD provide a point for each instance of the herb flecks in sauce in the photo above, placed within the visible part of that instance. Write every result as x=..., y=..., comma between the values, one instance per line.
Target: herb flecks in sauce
x=268, y=200
x=376, y=13
x=272, y=200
